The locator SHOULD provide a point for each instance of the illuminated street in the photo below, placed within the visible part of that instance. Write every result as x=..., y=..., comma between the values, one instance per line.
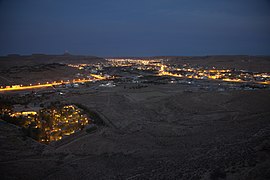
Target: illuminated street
x=21, y=87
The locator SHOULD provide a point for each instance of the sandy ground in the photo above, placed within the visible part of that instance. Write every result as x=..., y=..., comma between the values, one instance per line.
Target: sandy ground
x=158, y=132
x=33, y=69
x=43, y=75
x=32, y=60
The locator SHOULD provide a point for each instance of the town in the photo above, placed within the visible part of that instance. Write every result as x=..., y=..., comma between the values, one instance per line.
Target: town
x=139, y=70
x=52, y=122
x=48, y=124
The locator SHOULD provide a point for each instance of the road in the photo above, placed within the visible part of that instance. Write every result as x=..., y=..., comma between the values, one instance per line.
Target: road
x=20, y=87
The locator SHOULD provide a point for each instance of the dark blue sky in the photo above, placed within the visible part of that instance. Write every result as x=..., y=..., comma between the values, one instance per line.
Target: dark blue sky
x=135, y=27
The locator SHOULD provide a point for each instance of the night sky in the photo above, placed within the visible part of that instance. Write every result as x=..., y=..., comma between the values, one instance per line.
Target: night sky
x=135, y=27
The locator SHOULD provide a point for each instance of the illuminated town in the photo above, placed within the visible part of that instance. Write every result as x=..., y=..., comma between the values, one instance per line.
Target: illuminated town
x=47, y=124
x=156, y=67
x=186, y=71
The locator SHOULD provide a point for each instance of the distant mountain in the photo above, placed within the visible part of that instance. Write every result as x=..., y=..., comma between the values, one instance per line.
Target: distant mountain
x=34, y=59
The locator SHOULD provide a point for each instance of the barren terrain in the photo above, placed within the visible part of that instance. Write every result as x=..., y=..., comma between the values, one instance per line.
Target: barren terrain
x=40, y=68
x=159, y=132
x=165, y=131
